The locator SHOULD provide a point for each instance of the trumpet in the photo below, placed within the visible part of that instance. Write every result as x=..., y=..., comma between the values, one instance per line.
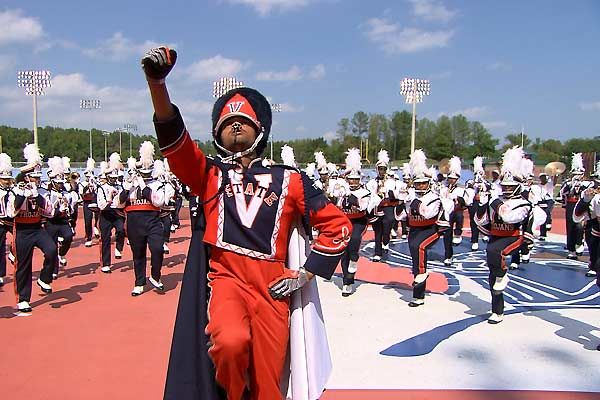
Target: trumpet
x=74, y=176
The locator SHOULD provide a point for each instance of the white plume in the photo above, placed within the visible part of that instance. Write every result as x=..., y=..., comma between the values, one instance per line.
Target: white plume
x=406, y=172
x=478, y=165
x=526, y=167
x=320, y=160
x=598, y=168
x=5, y=164
x=287, y=156
x=55, y=166
x=432, y=171
x=91, y=164
x=383, y=158
x=103, y=167
x=159, y=169
x=131, y=163
x=114, y=162
x=310, y=170
x=147, y=154
x=577, y=162
x=511, y=161
x=32, y=154
x=418, y=163
x=331, y=167
x=454, y=165
x=66, y=163
x=167, y=166
x=353, y=160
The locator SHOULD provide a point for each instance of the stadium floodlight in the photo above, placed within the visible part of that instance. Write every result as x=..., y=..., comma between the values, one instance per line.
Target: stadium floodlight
x=414, y=90
x=34, y=83
x=106, y=135
x=224, y=85
x=128, y=128
x=90, y=104
x=276, y=108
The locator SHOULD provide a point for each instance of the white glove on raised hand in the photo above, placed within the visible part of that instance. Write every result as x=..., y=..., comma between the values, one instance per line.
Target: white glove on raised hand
x=288, y=283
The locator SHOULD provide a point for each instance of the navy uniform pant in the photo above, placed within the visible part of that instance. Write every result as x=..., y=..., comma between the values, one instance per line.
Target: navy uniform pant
x=90, y=219
x=56, y=229
x=498, y=248
x=145, y=230
x=27, y=237
x=474, y=228
x=110, y=219
x=420, y=239
x=166, y=223
x=382, y=228
x=359, y=225
x=3, y=230
x=574, y=230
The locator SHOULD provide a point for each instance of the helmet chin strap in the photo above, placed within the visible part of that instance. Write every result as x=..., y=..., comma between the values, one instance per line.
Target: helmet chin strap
x=231, y=156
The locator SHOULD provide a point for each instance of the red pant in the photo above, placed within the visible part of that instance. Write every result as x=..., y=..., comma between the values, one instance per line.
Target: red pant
x=249, y=331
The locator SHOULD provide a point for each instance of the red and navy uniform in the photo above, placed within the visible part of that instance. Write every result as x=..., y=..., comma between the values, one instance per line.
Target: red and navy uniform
x=502, y=221
x=570, y=193
x=384, y=214
x=6, y=225
x=589, y=210
x=28, y=233
x=88, y=191
x=144, y=227
x=249, y=213
x=458, y=201
x=59, y=225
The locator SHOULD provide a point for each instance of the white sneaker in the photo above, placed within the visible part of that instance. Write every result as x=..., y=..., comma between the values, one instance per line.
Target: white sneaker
x=501, y=283
x=474, y=246
x=420, y=278
x=579, y=250
x=54, y=276
x=165, y=249
x=117, y=254
x=173, y=228
x=128, y=242
x=393, y=234
x=403, y=237
x=106, y=269
x=11, y=257
x=485, y=238
x=60, y=239
x=96, y=232
x=137, y=290
x=46, y=288
x=376, y=258
x=88, y=243
x=62, y=261
x=495, y=318
x=456, y=240
x=385, y=247
x=525, y=258
x=590, y=273
x=572, y=256
x=24, y=306
x=549, y=226
x=416, y=302
x=353, y=267
x=347, y=290
x=513, y=266
x=157, y=284
x=1, y=280
x=448, y=261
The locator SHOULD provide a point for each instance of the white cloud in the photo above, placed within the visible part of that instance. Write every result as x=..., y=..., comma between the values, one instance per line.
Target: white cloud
x=264, y=7
x=395, y=40
x=432, y=11
x=119, y=47
x=291, y=108
x=317, y=72
x=214, y=68
x=300, y=129
x=17, y=28
x=495, y=124
x=499, y=66
x=293, y=74
x=329, y=136
x=7, y=64
x=592, y=106
x=470, y=112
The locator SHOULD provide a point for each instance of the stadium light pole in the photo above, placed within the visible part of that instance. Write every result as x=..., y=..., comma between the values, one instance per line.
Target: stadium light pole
x=130, y=127
x=106, y=134
x=90, y=104
x=414, y=90
x=34, y=83
x=276, y=108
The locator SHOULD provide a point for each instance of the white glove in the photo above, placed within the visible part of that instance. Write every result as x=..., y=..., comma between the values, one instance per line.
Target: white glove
x=288, y=283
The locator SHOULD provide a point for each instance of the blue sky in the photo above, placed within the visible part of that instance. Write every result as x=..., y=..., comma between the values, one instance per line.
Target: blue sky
x=505, y=63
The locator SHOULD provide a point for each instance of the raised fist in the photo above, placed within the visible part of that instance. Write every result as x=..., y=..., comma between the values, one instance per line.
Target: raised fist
x=158, y=62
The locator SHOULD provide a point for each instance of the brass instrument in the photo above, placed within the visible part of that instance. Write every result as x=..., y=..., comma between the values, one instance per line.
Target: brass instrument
x=555, y=168
x=444, y=166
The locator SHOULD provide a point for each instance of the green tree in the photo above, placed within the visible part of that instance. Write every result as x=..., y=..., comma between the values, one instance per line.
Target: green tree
x=483, y=143
x=461, y=134
x=400, y=127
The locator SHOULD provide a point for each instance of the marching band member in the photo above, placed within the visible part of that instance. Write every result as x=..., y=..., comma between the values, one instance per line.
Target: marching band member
x=403, y=187
x=501, y=218
x=385, y=187
x=144, y=198
x=587, y=210
x=475, y=188
x=546, y=189
x=322, y=170
x=177, y=203
x=455, y=200
x=570, y=192
x=63, y=203
x=426, y=221
x=89, y=189
x=163, y=174
x=356, y=203
x=6, y=223
x=112, y=215
x=27, y=206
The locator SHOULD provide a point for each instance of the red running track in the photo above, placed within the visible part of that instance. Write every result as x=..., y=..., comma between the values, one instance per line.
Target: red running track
x=91, y=340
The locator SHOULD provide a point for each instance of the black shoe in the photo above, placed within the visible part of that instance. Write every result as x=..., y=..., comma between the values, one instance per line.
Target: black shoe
x=416, y=303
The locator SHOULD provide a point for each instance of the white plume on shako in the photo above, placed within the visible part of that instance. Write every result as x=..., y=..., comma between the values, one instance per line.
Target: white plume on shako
x=287, y=156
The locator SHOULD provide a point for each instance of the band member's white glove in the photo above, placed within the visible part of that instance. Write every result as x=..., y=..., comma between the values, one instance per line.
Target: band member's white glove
x=288, y=283
x=157, y=63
